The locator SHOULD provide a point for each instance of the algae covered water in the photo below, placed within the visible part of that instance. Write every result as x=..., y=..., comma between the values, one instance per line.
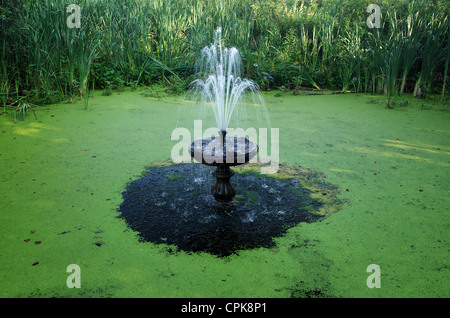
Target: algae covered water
x=63, y=176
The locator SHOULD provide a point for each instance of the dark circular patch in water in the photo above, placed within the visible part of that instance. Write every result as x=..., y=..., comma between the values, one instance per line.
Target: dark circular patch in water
x=173, y=205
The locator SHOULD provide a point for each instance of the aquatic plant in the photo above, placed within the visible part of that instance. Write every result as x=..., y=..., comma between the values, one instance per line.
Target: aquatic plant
x=144, y=42
x=447, y=61
x=22, y=111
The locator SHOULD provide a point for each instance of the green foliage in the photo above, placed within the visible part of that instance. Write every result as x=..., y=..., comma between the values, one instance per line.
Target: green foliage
x=301, y=43
x=22, y=110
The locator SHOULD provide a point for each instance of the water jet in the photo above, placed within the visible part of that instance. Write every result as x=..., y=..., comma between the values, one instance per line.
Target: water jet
x=223, y=87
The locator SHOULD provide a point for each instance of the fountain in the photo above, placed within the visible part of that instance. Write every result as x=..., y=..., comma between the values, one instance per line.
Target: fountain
x=222, y=87
x=168, y=204
x=223, y=152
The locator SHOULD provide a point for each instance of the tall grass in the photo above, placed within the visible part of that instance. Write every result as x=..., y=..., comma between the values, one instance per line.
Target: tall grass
x=431, y=52
x=322, y=44
x=411, y=37
x=447, y=61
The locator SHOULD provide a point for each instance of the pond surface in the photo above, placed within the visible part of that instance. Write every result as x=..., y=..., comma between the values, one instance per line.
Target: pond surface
x=63, y=176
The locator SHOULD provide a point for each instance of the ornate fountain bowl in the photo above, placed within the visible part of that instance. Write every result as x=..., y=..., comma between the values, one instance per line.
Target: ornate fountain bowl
x=213, y=152
x=223, y=152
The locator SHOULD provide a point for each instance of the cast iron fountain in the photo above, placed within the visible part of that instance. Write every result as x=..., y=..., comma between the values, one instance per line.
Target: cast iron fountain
x=223, y=152
x=170, y=205
x=223, y=87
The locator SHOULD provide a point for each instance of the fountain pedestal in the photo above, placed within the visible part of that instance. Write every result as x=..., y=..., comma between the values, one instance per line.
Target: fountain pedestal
x=223, y=191
x=223, y=152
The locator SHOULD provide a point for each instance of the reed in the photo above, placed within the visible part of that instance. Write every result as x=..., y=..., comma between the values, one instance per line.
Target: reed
x=392, y=60
x=323, y=45
x=431, y=53
x=4, y=79
x=349, y=62
x=411, y=38
x=447, y=61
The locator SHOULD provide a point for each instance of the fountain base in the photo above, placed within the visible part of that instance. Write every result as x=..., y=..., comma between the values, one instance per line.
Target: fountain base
x=223, y=152
x=223, y=191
